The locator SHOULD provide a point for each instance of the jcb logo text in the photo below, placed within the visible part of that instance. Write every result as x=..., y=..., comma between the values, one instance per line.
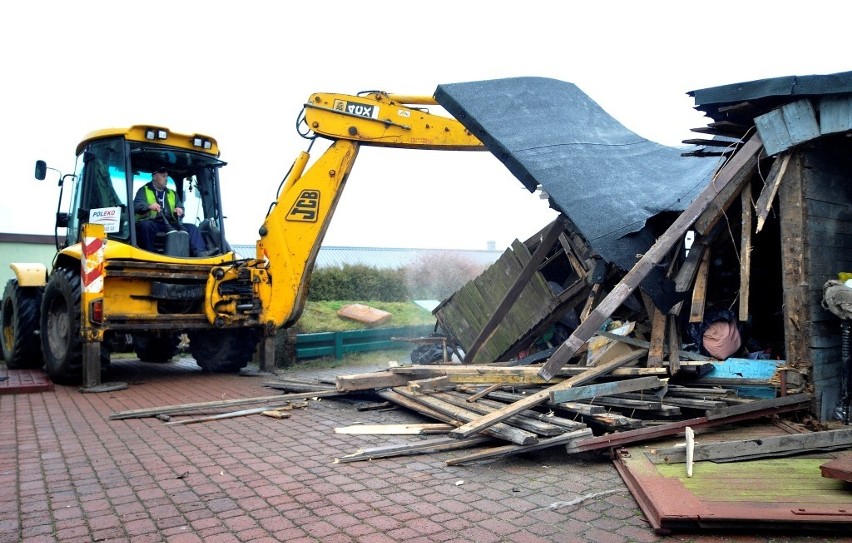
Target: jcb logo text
x=306, y=207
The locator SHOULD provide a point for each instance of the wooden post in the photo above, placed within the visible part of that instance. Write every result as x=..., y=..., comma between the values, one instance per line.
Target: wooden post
x=267, y=352
x=674, y=344
x=699, y=291
x=658, y=338
x=745, y=252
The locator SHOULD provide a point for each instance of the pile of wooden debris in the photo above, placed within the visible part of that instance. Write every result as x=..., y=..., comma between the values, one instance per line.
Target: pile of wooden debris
x=510, y=410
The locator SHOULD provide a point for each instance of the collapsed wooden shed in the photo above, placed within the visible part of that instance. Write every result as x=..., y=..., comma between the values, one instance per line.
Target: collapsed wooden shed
x=762, y=244
x=805, y=200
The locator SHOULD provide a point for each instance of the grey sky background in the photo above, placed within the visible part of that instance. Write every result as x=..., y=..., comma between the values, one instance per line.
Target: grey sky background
x=240, y=72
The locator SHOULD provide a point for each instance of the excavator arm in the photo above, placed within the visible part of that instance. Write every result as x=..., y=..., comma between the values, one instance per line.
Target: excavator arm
x=293, y=230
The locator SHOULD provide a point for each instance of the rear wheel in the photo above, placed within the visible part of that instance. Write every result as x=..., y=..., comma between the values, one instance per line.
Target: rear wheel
x=154, y=348
x=20, y=320
x=223, y=350
x=60, y=325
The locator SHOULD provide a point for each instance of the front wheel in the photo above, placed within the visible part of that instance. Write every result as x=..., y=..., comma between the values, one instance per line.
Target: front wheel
x=60, y=324
x=223, y=350
x=19, y=320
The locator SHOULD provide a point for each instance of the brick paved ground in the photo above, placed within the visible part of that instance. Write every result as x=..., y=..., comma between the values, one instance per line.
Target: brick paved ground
x=69, y=474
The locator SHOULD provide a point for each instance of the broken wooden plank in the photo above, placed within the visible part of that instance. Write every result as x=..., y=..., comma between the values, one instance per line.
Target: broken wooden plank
x=508, y=375
x=381, y=406
x=367, y=381
x=591, y=300
x=506, y=450
x=752, y=410
x=221, y=404
x=500, y=430
x=697, y=392
x=689, y=403
x=485, y=391
x=417, y=407
x=521, y=421
x=573, y=260
x=532, y=400
x=276, y=414
x=658, y=337
x=636, y=342
x=770, y=189
x=686, y=274
x=699, y=290
x=650, y=405
x=716, y=209
x=604, y=389
x=746, y=158
x=531, y=413
x=783, y=401
x=574, y=408
x=220, y=416
x=395, y=429
x=673, y=334
x=751, y=449
x=432, y=384
x=298, y=386
x=419, y=447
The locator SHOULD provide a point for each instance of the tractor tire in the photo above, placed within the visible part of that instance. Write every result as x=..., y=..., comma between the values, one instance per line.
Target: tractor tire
x=155, y=348
x=61, y=342
x=223, y=351
x=20, y=320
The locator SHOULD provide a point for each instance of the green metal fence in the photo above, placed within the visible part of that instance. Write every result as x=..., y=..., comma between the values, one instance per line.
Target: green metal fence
x=338, y=344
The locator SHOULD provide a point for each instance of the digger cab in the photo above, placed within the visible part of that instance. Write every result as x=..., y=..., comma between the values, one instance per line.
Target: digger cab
x=113, y=164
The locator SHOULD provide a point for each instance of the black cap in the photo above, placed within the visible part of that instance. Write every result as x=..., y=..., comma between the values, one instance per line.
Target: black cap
x=162, y=169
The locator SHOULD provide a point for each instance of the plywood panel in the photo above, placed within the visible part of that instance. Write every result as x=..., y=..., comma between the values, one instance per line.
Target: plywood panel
x=778, y=494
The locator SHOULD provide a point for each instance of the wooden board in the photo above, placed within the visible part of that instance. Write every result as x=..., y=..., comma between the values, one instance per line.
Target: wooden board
x=838, y=468
x=780, y=494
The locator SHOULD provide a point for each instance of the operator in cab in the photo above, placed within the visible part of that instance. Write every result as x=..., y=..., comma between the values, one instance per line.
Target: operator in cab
x=158, y=209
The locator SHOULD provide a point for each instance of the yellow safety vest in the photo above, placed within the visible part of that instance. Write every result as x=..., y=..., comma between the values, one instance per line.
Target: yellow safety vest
x=151, y=197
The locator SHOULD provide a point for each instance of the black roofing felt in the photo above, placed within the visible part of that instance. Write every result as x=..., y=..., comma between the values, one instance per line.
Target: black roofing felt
x=794, y=85
x=606, y=179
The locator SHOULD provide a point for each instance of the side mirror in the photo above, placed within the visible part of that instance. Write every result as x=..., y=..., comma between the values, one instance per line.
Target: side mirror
x=40, y=170
x=62, y=219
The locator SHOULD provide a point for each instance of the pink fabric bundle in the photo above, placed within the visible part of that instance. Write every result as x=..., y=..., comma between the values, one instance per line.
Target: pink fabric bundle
x=721, y=339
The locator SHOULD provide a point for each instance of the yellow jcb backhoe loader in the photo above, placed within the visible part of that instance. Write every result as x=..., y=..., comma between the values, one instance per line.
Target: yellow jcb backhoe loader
x=102, y=284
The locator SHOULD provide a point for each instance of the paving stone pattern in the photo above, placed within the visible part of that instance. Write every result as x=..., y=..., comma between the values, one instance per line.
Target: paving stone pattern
x=69, y=474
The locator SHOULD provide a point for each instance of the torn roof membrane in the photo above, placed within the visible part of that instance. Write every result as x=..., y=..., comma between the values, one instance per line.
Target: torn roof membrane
x=606, y=179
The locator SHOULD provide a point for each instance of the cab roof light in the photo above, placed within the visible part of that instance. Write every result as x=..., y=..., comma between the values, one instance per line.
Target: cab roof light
x=198, y=141
x=156, y=134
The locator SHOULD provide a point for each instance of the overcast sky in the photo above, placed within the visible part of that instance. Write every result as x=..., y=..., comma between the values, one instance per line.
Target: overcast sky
x=240, y=71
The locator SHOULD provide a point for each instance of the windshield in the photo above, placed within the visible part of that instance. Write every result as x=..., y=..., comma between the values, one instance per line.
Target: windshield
x=110, y=171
